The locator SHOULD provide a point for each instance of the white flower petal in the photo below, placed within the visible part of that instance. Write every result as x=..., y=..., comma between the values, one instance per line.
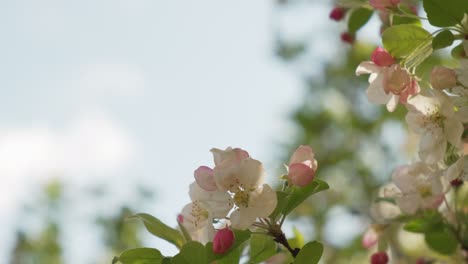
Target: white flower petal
x=423, y=104
x=251, y=174
x=263, y=201
x=367, y=67
x=393, y=102
x=453, y=130
x=432, y=146
x=217, y=203
x=242, y=218
x=375, y=92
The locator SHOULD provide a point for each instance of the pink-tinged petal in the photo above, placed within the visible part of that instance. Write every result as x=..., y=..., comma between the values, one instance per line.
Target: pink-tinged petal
x=408, y=204
x=205, y=179
x=302, y=153
x=453, y=131
x=370, y=238
x=382, y=58
x=223, y=241
x=436, y=201
x=300, y=174
x=367, y=67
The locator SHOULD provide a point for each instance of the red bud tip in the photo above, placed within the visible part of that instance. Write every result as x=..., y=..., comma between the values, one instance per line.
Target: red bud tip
x=337, y=13
x=379, y=258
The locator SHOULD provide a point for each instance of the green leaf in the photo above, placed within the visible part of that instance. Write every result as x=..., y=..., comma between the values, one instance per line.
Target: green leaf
x=418, y=225
x=442, y=240
x=358, y=18
x=140, y=256
x=300, y=194
x=444, y=13
x=161, y=230
x=419, y=54
x=261, y=248
x=405, y=16
x=192, y=253
x=458, y=52
x=402, y=40
x=282, y=202
x=443, y=39
x=310, y=253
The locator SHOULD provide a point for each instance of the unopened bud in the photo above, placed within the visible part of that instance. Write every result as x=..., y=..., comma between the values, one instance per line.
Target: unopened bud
x=443, y=78
x=347, y=37
x=456, y=183
x=337, y=13
x=381, y=57
x=379, y=258
x=223, y=240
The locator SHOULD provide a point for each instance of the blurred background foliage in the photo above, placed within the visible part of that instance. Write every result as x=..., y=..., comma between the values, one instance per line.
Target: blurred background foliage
x=357, y=145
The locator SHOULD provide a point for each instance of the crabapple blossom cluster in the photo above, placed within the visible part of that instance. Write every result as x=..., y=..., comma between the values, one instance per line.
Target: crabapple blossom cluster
x=424, y=193
x=231, y=203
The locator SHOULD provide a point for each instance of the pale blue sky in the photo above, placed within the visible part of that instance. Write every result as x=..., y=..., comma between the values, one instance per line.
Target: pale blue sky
x=130, y=92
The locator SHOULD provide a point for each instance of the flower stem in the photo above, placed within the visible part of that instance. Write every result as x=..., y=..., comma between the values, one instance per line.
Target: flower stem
x=281, y=239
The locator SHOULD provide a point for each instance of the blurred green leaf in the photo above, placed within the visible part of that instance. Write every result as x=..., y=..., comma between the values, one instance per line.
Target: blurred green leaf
x=402, y=40
x=161, y=230
x=358, y=18
x=458, y=52
x=310, y=253
x=445, y=13
x=191, y=253
x=300, y=194
x=282, y=202
x=140, y=256
x=261, y=248
x=442, y=240
x=419, y=225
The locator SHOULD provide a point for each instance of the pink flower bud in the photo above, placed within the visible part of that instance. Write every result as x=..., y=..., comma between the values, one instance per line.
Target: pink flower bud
x=379, y=258
x=180, y=218
x=382, y=58
x=337, y=13
x=347, y=37
x=370, y=238
x=302, y=166
x=443, y=78
x=383, y=4
x=223, y=240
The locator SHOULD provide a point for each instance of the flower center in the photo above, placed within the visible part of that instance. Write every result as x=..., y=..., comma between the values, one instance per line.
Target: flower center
x=198, y=213
x=241, y=198
x=425, y=191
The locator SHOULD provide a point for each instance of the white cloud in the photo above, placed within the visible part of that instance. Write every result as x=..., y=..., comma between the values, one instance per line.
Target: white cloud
x=91, y=146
